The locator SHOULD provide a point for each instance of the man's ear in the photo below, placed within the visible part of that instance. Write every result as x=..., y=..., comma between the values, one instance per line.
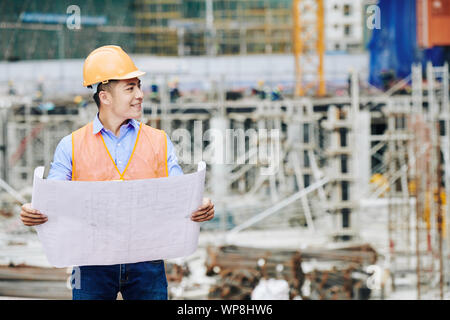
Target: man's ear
x=104, y=97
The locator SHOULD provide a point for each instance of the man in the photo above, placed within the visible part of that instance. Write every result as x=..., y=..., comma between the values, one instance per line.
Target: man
x=115, y=146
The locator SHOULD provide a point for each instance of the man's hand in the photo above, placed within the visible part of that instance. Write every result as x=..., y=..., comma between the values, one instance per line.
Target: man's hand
x=31, y=217
x=205, y=212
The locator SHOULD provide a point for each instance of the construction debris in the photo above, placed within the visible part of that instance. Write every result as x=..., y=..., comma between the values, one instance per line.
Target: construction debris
x=235, y=285
x=175, y=272
x=338, y=284
x=26, y=281
x=240, y=269
x=34, y=282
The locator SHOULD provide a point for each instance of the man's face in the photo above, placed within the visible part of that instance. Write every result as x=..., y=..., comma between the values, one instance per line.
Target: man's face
x=127, y=99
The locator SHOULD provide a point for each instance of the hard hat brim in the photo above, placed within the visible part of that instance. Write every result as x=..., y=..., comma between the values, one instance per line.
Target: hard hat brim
x=131, y=75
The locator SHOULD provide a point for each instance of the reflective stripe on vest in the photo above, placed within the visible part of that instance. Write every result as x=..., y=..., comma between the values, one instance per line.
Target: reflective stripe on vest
x=91, y=160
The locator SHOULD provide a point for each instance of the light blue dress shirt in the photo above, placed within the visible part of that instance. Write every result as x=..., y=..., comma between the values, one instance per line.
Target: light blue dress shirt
x=120, y=149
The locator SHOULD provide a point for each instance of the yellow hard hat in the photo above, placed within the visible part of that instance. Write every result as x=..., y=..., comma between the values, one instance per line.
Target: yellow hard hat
x=78, y=99
x=108, y=63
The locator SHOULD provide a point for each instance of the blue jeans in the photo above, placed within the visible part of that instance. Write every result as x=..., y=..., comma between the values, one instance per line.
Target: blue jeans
x=135, y=281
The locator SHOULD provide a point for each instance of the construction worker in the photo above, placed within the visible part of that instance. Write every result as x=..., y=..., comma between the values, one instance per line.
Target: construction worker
x=154, y=92
x=261, y=90
x=277, y=93
x=115, y=146
x=174, y=92
x=11, y=89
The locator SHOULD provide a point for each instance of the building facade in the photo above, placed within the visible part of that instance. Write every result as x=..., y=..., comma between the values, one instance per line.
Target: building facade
x=32, y=29
x=344, y=23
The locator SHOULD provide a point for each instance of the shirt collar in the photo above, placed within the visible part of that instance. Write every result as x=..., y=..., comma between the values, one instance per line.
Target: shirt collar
x=98, y=126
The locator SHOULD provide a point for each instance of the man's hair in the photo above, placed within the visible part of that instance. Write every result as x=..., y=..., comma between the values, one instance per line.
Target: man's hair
x=102, y=87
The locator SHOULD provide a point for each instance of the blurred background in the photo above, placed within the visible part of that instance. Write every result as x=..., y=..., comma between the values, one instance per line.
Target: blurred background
x=358, y=91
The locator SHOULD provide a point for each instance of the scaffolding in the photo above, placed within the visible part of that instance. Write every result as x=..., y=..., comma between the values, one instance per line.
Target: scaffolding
x=156, y=27
x=416, y=169
x=206, y=27
x=308, y=39
x=22, y=39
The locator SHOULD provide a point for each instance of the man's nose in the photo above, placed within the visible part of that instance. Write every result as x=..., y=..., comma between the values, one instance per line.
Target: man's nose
x=139, y=93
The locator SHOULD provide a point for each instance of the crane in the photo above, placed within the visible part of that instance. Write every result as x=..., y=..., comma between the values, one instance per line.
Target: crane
x=309, y=42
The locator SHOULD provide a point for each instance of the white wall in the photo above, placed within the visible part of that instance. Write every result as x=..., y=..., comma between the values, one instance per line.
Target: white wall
x=65, y=76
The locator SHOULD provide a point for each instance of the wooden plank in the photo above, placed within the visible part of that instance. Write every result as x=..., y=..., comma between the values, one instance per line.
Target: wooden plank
x=35, y=289
x=33, y=273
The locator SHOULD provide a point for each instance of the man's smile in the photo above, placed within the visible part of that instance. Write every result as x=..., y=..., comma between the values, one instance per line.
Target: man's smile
x=137, y=106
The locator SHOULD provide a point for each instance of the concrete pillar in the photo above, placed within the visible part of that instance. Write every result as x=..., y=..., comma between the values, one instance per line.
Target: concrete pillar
x=219, y=172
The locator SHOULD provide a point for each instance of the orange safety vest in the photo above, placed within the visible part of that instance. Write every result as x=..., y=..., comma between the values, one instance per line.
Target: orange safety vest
x=91, y=160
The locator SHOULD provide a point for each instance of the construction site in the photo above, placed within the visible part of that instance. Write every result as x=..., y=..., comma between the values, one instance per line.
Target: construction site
x=335, y=118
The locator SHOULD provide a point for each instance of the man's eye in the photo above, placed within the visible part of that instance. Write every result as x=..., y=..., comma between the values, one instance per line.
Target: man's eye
x=129, y=89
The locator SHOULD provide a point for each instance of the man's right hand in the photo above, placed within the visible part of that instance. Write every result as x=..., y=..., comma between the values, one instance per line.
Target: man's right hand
x=31, y=217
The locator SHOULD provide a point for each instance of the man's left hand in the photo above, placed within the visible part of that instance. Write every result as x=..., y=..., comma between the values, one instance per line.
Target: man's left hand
x=205, y=212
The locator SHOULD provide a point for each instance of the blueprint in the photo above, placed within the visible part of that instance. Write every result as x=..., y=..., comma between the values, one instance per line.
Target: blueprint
x=116, y=222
